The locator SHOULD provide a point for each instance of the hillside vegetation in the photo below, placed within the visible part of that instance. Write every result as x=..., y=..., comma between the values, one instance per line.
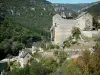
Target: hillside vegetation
x=33, y=14
x=14, y=37
x=94, y=10
x=23, y=22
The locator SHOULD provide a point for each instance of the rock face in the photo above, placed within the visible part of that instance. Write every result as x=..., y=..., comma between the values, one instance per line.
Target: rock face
x=62, y=27
x=69, y=7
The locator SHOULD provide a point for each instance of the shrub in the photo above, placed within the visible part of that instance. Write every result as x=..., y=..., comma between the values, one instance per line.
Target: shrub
x=76, y=32
x=52, y=46
x=66, y=44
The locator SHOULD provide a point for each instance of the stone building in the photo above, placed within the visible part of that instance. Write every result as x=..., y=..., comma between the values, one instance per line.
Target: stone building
x=62, y=26
x=24, y=57
x=84, y=21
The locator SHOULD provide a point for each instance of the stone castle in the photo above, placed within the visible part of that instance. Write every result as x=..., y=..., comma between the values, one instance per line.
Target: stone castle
x=62, y=26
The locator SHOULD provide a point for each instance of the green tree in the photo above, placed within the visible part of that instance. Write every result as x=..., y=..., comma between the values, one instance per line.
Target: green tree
x=38, y=69
x=62, y=56
x=16, y=46
x=66, y=44
x=95, y=23
x=76, y=32
x=18, y=71
x=35, y=69
x=14, y=37
x=96, y=58
x=50, y=64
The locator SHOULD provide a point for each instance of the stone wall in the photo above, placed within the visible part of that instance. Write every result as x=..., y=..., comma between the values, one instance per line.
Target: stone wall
x=89, y=33
x=62, y=27
x=80, y=23
x=61, y=35
x=85, y=21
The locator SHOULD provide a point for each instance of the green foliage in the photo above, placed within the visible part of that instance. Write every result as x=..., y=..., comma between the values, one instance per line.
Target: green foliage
x=14, y=64
x=62, y=56
x=19, y=71
x=14, y=37
x=72, y=70
x=87, y=64
x=50, y=64
x=23, y=22
x=35, y=69
x=52, y=46
x=94, y=10
x=56, y=52
x=66, y=44
x=35, y=14
x=68, y=68
x=90, y=63
x=86, y=57
x=76, y=32
x=95, y=23
x=97, y=45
